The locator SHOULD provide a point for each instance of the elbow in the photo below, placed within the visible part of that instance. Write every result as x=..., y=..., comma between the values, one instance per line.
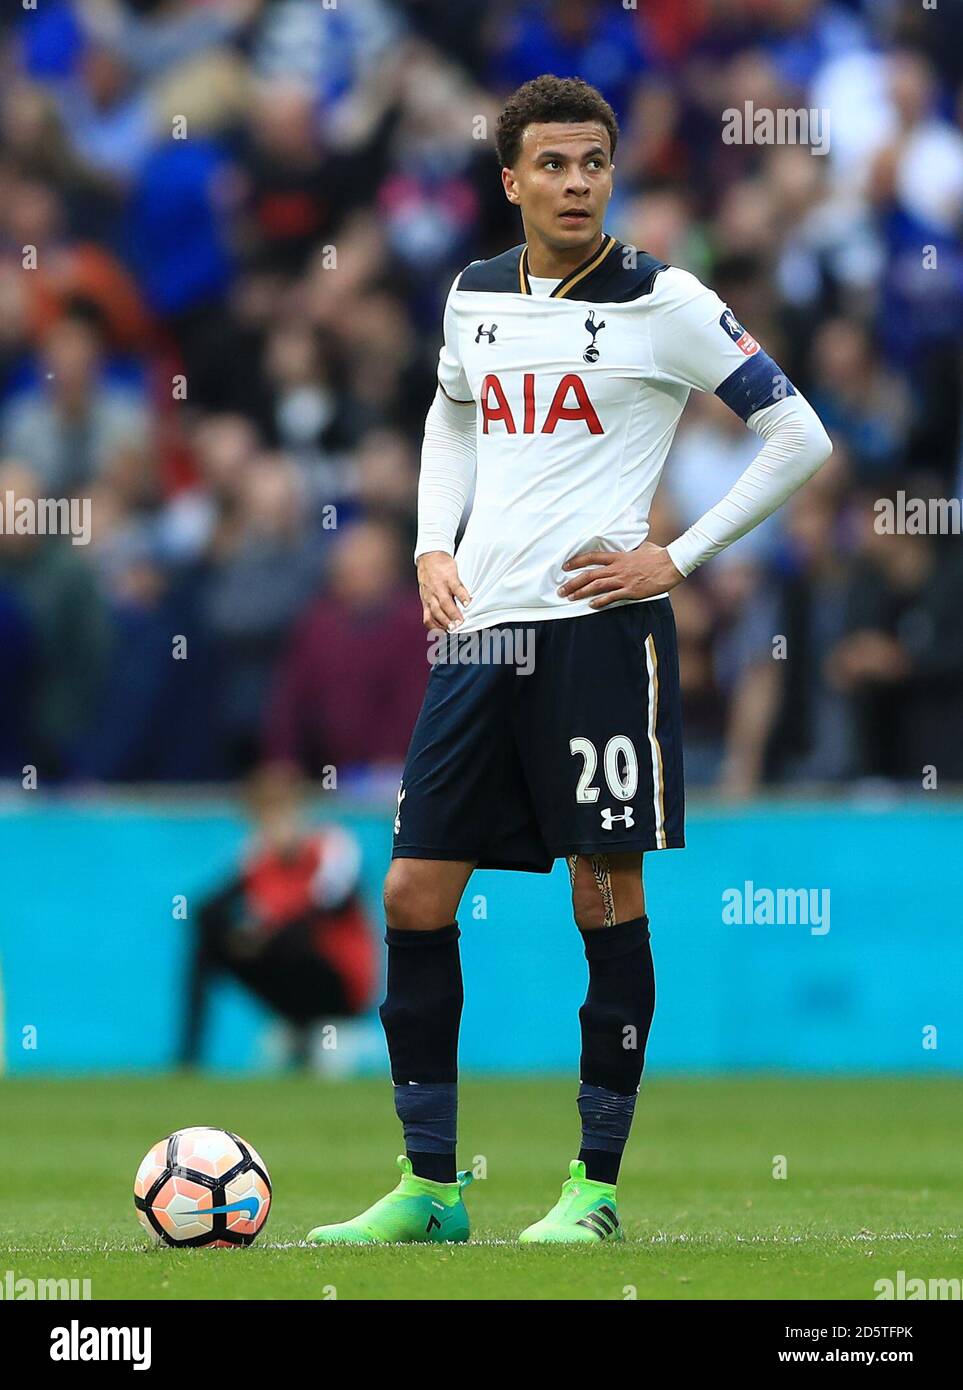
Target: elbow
x=806, y=433
x=819, y=446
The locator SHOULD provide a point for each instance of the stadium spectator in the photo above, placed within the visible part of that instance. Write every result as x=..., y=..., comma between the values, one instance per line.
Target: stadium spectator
x=307, y=411
x=863, y=405
x=571, y=38
x=787, y=722
x=901, y=659
x=385, y=481
x=253, y=592
x=61, y=669
x=69, y=427
x=350, y=683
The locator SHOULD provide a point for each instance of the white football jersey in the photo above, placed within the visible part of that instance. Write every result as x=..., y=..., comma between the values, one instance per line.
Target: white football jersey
x=578, y=396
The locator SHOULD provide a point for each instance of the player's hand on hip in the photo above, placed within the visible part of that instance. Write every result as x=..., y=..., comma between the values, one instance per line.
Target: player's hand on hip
x=609, y=576
x=440, y=587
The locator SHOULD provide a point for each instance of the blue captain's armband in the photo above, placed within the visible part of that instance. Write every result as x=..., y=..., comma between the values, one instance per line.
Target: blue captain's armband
x=754, y=384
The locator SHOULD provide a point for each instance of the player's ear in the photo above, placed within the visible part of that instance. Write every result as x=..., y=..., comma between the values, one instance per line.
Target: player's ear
x=510, y=185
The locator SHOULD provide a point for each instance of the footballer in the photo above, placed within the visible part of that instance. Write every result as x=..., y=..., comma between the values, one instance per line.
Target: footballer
x=566, y=365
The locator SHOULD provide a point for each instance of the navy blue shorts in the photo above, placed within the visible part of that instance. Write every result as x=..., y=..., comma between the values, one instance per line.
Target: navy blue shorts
x=573, y=745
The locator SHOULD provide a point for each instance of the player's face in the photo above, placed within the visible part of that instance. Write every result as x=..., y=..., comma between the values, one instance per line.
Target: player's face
x=562, y=181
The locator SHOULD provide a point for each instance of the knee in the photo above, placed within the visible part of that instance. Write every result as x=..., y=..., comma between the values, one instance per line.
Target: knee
x=401, y=896
x=587, y=906
x=606, y=889
x=411, y=901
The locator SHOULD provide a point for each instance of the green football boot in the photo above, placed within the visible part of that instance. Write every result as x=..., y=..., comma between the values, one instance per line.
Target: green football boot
x=584, y=1214
x=417, y=1210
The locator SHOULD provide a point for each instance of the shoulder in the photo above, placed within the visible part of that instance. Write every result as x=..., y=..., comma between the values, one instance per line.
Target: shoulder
x=624, y=274
x=500, y=274
x=680, y=289
x=676, y=287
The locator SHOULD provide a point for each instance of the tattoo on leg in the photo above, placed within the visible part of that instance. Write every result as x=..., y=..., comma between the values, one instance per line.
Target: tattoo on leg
x=572, y=862
x=603, y=881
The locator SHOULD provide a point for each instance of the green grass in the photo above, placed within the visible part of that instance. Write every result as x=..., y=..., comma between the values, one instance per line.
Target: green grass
x=873, y=1186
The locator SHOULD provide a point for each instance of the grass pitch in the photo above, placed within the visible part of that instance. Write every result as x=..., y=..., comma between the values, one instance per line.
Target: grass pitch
x=872, y=1187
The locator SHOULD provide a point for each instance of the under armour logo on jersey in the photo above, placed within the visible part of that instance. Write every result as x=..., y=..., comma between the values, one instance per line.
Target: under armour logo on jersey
x=484, y=332
x=591, y=353
x=609, y=818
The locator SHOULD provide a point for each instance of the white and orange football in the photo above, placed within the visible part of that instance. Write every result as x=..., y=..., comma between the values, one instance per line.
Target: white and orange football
x=202, y=1187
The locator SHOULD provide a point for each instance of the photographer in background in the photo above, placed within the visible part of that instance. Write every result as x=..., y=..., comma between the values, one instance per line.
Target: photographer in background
x=288, y=924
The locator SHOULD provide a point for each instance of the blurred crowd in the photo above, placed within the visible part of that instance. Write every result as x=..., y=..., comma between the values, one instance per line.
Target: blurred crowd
x=227, y=229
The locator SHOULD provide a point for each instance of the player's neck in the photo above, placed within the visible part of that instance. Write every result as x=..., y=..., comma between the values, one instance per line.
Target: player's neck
x=545, y=263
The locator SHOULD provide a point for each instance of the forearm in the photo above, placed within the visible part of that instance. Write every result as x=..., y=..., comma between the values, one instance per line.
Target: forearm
x=796, y=445
x=447, y=473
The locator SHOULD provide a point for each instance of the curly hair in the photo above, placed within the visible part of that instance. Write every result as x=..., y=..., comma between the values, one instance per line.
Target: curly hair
x=549, y=98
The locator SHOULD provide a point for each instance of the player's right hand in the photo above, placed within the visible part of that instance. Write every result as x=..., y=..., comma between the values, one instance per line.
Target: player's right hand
x=440, y=587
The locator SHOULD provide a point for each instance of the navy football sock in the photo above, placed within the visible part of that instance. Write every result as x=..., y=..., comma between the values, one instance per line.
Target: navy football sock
x=421, y=1015
x=428, y=1115
x=606, y=1120
x=615, y=1021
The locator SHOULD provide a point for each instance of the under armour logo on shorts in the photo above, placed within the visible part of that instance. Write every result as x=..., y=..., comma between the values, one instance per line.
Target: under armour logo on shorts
x=609, y=819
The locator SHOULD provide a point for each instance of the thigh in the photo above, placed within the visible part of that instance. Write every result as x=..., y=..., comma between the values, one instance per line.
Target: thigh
x=463, y=795
x=600, y=732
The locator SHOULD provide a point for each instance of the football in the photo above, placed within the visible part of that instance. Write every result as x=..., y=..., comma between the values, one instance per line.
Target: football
x=202, y=1186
